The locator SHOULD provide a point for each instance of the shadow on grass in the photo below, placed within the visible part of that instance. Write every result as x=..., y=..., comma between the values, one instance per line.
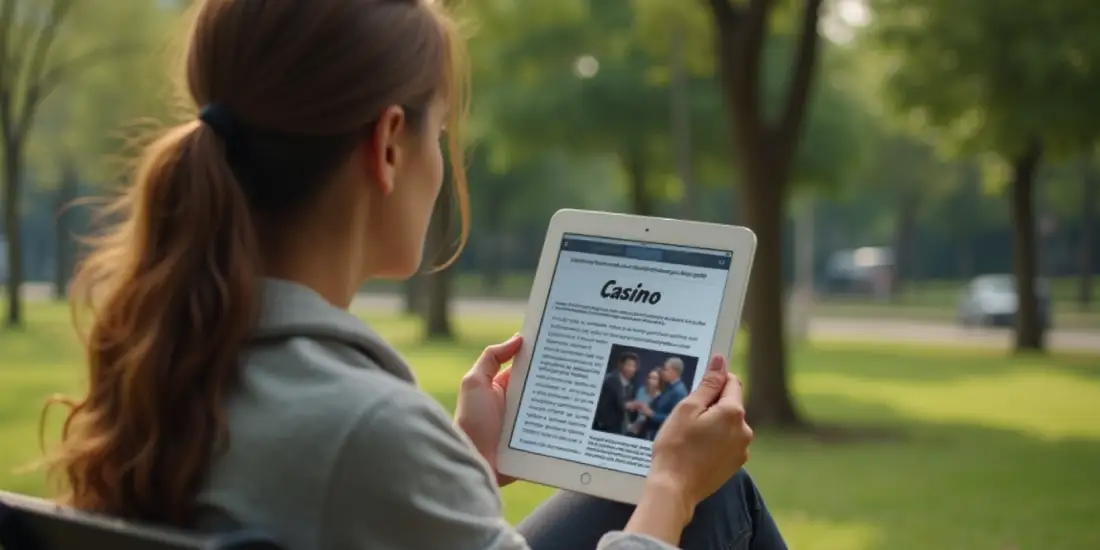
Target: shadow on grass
x=946, y=486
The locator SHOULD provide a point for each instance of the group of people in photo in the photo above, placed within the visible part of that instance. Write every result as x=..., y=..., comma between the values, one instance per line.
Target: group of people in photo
x=633, y=409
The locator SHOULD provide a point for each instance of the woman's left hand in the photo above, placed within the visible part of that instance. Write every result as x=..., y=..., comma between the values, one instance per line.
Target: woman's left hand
x=480, y=410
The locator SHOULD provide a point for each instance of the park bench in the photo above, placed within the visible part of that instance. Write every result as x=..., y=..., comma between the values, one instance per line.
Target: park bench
x=33, y=524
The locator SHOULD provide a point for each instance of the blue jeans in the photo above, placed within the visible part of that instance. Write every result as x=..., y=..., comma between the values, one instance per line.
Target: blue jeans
x=734, y=518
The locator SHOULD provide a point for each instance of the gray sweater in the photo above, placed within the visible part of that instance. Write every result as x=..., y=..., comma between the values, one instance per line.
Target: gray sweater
x=333, y=446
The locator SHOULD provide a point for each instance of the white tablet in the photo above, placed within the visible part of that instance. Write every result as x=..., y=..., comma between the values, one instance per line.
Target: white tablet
x=623, y=309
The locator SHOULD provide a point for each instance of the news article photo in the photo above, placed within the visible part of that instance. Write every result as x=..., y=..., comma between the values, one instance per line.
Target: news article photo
x=640, y=388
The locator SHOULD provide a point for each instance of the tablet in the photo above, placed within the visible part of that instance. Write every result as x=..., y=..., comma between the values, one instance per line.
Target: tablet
x=623, y=310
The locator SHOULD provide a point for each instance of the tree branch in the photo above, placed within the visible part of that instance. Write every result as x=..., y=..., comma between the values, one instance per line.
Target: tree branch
x=39, y=90
x=802, y=73
x=42, y=43
x=20, y=40
x=7, y=31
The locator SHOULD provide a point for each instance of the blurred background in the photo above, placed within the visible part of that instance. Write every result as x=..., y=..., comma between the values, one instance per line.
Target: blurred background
x=922, y=339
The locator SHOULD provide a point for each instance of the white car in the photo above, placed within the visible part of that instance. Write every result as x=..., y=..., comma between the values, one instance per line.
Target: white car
x=990, y=300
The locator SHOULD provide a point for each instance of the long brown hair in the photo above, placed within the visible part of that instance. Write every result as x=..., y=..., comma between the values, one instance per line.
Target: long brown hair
x=171, y=288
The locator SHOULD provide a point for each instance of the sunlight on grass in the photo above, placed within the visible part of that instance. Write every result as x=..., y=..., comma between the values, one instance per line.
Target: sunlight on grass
x=1048, y=405
x=804, y=532
x=994, y=452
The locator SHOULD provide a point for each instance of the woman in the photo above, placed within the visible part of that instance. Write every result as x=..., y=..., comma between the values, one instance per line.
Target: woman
x=645, y=396
x=228, y=384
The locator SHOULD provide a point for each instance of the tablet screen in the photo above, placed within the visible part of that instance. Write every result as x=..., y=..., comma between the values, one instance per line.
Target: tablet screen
x=625, y=335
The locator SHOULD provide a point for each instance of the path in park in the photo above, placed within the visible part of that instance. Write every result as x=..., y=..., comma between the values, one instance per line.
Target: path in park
x=821, y=328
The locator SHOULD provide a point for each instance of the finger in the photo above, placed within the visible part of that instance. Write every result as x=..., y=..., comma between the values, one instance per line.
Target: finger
x=497, y=354
x=710, y=387
x=502, y=378
x=732, y=393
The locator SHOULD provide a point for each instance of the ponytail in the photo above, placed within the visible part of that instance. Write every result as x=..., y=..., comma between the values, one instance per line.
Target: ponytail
x=171, y=290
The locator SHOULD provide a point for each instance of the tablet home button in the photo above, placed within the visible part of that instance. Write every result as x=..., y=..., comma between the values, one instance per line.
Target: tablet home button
x=586, y=478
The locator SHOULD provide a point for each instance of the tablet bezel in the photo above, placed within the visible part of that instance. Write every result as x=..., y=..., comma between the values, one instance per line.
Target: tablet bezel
x=593, y=480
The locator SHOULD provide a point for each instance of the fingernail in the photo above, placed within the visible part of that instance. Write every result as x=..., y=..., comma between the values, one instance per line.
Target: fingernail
x=718, y=363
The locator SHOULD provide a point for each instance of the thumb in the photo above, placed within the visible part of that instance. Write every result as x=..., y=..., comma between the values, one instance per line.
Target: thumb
x=488, y=364
x=711, y=386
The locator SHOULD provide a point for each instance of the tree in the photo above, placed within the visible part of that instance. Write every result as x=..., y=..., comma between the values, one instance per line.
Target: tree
x=437, y=283
x=783, y=132
x=44, y=44
x=64, y=254
x=1011, y=79
x=582, y=79
x=612, y=111
x=766, y=153
x=413, y=293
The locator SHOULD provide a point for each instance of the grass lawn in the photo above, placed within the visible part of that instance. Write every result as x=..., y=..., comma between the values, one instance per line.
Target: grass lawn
x=994, y=453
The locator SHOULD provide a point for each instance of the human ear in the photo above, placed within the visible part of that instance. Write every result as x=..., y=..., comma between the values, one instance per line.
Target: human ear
x=383, y=151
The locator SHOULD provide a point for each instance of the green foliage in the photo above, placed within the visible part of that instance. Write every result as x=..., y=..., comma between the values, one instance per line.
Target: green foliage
x=992, y=75
x=656, y=20
x=110, y=105
x=1062, y=186
x=577, y=79
x=838, y=143
x=529, y=92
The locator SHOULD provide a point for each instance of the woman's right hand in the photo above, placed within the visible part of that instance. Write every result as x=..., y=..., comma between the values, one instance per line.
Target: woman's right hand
x=705, y=440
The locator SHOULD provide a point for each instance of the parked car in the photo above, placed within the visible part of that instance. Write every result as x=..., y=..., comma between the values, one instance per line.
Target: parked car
x=865, y=271
x=991, y=300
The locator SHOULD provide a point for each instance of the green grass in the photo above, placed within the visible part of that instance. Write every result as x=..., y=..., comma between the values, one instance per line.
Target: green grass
x=993, y=452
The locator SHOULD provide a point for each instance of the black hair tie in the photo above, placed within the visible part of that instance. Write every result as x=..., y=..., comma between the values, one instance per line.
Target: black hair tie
x=218, y=119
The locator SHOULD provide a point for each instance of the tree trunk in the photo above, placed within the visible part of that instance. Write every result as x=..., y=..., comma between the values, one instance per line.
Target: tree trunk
x=640, y=201
x=414, y=295
x=903, y=246
x=437, y=323
x=63, y=251
x=769, y=401
x=437, y=286
x=766, y=152
x=14, y=234
x=1029, y=330
x=1089, y=199
x=680, y=103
